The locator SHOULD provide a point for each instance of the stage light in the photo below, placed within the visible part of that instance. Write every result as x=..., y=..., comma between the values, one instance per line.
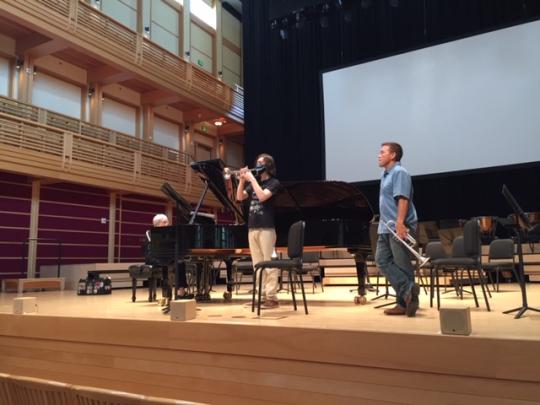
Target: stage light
x=283, y=33
x=324, y=15
x=300, y=19
x=365, y=4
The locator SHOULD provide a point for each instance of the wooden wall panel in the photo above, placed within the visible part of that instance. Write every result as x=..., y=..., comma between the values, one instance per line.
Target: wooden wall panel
x=15, y=200
x=225, y=364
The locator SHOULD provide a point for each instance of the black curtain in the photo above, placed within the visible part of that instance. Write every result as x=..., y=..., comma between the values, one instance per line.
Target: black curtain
x=283, y=113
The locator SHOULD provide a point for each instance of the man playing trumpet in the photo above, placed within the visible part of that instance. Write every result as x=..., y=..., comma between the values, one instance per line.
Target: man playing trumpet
x=262, y=233
x=395, y=204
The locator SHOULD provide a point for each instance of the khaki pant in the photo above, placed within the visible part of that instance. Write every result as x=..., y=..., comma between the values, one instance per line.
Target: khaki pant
x=262, y=242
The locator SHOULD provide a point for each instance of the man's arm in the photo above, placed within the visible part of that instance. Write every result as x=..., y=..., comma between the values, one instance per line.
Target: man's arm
x=241, y=194
x=402, y=208
x=262, y=194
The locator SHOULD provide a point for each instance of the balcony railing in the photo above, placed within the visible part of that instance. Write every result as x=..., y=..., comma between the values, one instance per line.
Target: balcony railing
x=53, y=119
x=98, y=32
x=38, y=142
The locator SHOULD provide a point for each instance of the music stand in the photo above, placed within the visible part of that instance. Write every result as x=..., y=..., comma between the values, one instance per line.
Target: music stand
x=519, y=214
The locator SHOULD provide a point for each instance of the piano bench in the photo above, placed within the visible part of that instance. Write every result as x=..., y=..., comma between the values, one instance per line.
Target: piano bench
x=144, y=272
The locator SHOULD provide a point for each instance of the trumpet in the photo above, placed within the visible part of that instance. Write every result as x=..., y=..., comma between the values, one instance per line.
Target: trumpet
x=409, y=243
x=228, y=172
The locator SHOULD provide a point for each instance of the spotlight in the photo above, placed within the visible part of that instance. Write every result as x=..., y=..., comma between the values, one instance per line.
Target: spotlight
x=283, y=33
x=300, y=19
x=324, y=21
x=365, y=4
x=324, y=15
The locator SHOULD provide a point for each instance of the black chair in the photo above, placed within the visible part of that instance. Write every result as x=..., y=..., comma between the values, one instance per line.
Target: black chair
x=469, y=260
x=311, y=266
x=500, y=258
x=292, y=265
x=241, y=268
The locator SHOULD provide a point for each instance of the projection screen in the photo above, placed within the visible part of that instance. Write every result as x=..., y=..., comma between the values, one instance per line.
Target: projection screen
x=467, y=104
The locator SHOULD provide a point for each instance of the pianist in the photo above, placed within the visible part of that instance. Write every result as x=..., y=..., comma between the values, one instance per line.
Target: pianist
x=160, y=220
x=262, y=233
x=395, y=204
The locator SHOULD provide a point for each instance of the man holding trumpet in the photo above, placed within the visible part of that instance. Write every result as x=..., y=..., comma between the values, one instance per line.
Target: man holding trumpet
x=262, y=233
x=395, y=205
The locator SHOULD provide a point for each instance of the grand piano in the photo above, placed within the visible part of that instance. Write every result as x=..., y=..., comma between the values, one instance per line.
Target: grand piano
x=336, y=213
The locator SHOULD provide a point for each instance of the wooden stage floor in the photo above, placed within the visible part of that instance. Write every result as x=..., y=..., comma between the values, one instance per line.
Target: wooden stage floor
x=331, y=309
x=340, y=353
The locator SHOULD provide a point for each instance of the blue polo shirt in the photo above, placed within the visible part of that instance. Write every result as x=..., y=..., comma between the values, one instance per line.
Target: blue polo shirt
x=395, y=182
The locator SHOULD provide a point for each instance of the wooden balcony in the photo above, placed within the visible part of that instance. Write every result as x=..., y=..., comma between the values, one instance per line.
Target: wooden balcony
x=40, y=143
x=94, y=33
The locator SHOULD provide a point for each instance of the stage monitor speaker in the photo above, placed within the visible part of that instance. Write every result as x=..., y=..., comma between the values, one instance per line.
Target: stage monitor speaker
x=183, y=310
x=455, y=321
x=25, y=305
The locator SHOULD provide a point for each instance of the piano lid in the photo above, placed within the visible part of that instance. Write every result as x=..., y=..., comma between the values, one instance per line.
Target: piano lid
x=183, y=206
x=211, y=172
x=316, y=195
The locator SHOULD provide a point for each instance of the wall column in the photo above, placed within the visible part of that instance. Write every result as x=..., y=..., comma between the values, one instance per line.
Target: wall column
x=96, y=95
x=186, y=35
x=219, y=42
x=148, y=122
x=112, y=226
x=33, y=231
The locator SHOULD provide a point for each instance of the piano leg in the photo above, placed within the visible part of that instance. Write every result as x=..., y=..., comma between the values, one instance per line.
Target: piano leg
x=227, y=295
x=361, y=276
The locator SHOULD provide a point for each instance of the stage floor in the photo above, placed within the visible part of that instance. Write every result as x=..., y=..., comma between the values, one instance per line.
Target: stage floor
x=332, y=309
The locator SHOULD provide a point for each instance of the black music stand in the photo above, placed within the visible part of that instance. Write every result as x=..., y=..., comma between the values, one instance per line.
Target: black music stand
x=514, y=226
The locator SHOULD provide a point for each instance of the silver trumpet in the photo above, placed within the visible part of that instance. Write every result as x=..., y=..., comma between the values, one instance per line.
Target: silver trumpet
x=409, y=243
x=228, y=172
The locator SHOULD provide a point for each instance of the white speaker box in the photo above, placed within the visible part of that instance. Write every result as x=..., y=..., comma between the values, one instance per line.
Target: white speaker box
x=183, y=310
x=25, y=305
x=455, y=321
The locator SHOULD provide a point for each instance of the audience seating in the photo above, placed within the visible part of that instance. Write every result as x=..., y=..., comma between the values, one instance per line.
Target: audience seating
x=18, y=390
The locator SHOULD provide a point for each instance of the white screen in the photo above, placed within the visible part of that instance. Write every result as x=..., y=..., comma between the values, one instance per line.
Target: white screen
x=467, y=104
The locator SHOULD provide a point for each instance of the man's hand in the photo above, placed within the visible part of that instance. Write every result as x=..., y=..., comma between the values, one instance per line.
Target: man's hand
x=402, y=230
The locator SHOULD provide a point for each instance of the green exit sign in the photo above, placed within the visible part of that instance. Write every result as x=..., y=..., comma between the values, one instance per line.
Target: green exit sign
x=204, y=128
x=200, y=62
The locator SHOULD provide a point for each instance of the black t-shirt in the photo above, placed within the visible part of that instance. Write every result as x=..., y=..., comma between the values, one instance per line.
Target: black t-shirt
x=261, y=215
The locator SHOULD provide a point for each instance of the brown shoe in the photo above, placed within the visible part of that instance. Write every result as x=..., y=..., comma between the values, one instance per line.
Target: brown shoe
x=397, y=310
x=412, y=301
x=269, y=304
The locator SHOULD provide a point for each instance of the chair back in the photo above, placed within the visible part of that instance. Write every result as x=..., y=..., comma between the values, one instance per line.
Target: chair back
x=36, y=391
x=311, y=257
x=295, y=244
x=472, y=238
x=458, y=247
x=5, y=397
x=435, y=250
x=501, y=249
